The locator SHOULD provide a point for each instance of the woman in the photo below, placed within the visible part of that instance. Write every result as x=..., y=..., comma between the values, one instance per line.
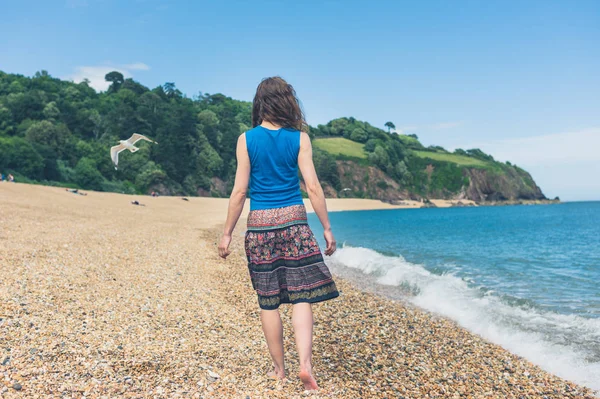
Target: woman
x=284, y=259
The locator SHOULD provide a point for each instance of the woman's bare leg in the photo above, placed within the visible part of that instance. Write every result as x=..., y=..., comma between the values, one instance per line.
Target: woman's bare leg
x=302, y=321
x=273, y=329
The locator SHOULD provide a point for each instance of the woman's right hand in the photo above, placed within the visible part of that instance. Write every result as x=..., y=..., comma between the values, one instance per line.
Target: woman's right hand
x=330, y=241
x=224, y=246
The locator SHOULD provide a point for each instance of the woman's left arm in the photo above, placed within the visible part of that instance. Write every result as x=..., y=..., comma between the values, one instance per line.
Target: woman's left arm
x=238, y=195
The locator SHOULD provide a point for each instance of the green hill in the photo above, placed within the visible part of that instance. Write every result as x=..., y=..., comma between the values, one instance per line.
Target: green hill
x=59, y=133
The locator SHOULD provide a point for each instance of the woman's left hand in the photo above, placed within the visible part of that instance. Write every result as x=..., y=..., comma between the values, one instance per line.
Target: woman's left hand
x=224, y=246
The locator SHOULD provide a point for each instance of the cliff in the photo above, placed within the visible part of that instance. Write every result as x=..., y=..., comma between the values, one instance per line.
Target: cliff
x=424, y=173
x=483, y=186
x=510, y=185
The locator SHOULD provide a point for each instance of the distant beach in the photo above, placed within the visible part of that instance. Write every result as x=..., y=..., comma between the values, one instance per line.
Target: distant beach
x=101, y=297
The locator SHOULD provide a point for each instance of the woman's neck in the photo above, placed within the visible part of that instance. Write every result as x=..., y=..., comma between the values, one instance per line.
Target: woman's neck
x=270, y=126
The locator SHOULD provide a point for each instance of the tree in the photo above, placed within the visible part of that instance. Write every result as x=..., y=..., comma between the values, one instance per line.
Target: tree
x=170, y=89
x=116, y=79
x=370, y=145
x=401, y=171
x=48, y=134
x=359, y=135
x=96, y=120
x=150, y=174
x=380, y=157
x=5, y=118
x=19, y=155
x=338, y=126
x=86, y=174
x=326, y=168
x=134, y=86
x=51, y=111
x=390, y=126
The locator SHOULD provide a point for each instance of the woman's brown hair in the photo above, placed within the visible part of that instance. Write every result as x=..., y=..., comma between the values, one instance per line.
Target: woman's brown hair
x=276, y=102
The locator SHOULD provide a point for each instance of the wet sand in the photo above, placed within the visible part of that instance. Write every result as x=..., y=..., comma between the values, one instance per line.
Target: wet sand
x=105, y=299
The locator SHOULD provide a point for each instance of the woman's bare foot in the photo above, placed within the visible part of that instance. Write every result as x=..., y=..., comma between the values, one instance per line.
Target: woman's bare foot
x=310, y=384
x=277, y=374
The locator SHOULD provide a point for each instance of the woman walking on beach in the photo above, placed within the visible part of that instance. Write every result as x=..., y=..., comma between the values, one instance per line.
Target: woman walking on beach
x=284, y=259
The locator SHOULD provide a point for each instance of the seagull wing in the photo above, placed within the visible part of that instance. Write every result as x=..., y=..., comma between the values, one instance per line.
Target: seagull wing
x=114, y=153
x=137, y=137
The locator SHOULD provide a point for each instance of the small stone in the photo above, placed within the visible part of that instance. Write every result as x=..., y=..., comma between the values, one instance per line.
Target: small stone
x=6, y=361
x=17, y=387
x=213, y=375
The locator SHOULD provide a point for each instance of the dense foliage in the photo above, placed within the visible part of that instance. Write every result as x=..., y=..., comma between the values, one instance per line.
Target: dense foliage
x=60, y=132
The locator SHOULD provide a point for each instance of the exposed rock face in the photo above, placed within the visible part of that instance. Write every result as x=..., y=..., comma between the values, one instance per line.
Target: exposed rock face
x=485, y=185
x=218, y=186
x=512, y=184
x=369, y=182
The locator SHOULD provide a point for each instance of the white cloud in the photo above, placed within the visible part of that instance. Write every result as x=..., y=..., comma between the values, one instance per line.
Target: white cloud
x=405, y=129
x=95, y=74
x=558, y=148
x=138, y=66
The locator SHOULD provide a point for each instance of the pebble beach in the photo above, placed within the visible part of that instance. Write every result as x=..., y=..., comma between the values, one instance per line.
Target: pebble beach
x=100, y=298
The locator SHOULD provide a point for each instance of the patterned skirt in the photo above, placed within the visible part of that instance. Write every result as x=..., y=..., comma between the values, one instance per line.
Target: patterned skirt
x=285, y=262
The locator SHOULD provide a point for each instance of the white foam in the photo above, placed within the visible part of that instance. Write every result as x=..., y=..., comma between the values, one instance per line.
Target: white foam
x=561, y=344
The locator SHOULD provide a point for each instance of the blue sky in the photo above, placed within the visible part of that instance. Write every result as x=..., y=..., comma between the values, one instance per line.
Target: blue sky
x=518, y=79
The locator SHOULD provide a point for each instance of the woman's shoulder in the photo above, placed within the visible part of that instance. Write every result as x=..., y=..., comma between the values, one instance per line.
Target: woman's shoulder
x=253, y=130
x=304, y=137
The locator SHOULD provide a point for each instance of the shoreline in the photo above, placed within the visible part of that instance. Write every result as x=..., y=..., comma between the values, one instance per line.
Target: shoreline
x=102, y=297
x=338, y=204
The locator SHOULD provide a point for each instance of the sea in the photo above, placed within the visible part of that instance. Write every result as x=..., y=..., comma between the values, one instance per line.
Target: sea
x=525, y=277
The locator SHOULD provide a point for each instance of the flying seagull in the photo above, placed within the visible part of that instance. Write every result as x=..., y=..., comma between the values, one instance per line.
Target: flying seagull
x=127, y=145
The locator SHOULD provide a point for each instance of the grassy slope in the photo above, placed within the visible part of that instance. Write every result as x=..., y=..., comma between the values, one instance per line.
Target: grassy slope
x=453, y=158
x=341, y=146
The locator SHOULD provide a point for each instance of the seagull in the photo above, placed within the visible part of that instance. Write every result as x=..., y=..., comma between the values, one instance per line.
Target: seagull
x=127, y=145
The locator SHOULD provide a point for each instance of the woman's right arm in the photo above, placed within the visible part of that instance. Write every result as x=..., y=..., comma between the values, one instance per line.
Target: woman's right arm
x=314, y=190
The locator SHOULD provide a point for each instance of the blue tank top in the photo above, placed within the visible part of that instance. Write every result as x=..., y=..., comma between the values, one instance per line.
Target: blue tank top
x=274, y=181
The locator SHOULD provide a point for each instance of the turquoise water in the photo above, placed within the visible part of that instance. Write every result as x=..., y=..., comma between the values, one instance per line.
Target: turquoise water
x=525, y=277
